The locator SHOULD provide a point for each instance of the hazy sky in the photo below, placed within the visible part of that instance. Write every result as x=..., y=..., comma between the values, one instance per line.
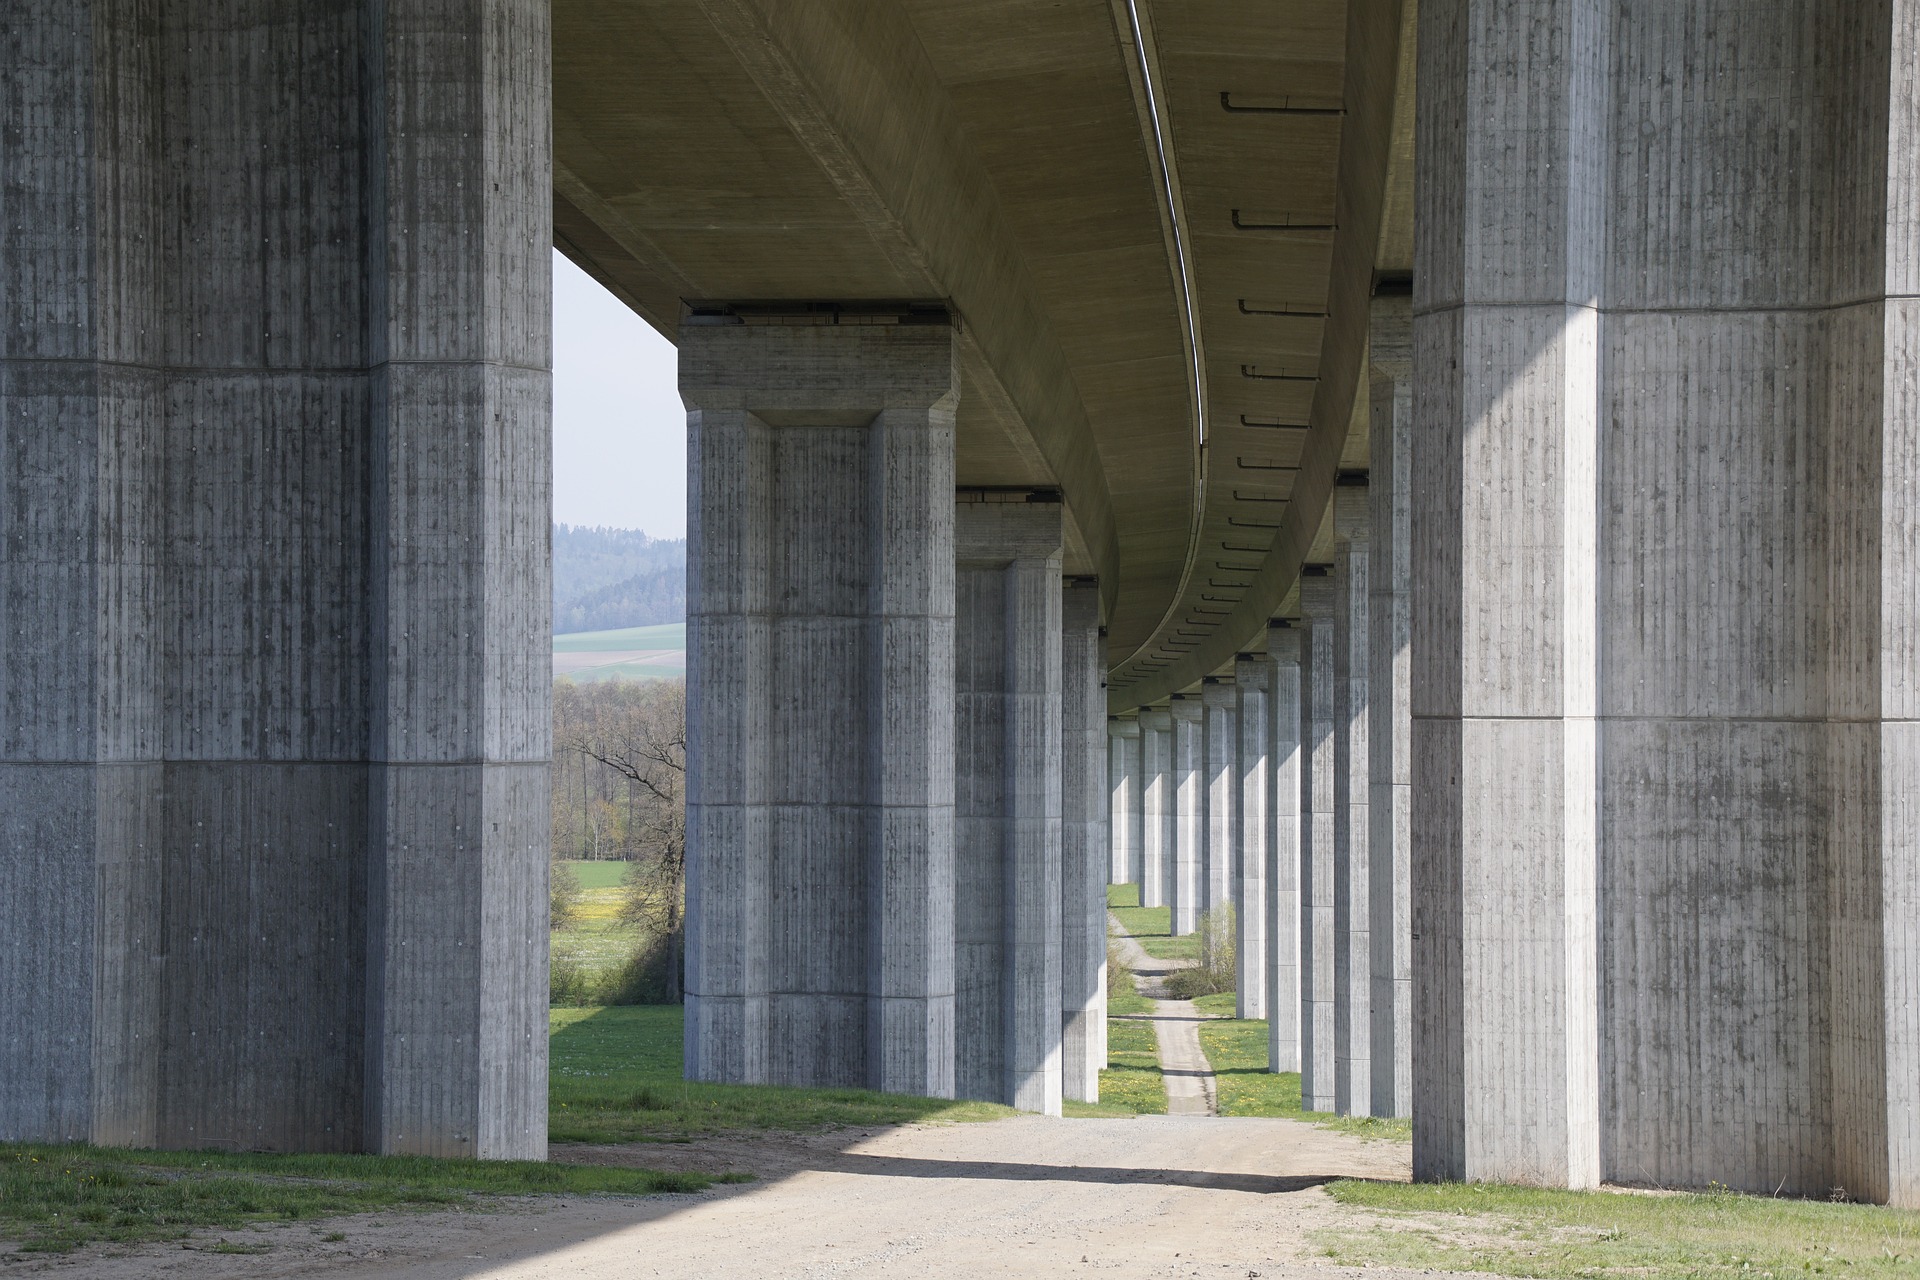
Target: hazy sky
x=619, y=431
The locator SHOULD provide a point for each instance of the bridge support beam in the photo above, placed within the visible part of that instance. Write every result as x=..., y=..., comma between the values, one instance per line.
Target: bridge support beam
x=1158, y=796
x=1352, y=895
x=1190, y=801
x=1007, y=793
x=1125, y=816
x=1668, y=413
x=1221, y=705
x=820, y=697
x=1389, y=703
x=1284, y=963
x=1253, y=786
x=1318, y=731
x=1083, y=843
x=274, y=721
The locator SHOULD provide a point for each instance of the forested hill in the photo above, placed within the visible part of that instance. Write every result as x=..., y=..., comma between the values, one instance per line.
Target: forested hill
x=606, y=578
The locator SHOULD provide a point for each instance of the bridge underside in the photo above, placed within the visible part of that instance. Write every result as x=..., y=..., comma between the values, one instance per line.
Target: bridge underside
x=1503, y=598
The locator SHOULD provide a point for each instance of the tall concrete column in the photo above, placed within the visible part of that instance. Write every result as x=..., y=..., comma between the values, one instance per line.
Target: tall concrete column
x=1125, y=815
x=1285, y=1006
x=1221, y=704
x=1318, y=734
x=274, y=722
x=1666, y=422
x=1352, y=894
x=1007, y=803
x=820, y=695
x=1253, y=784
x=1157, y=805
x=1389, y=702
x=1083, y=843
x=1190, y=813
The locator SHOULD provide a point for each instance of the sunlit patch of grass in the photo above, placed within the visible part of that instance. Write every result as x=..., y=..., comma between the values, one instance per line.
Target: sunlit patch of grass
x=1519, y=1231
x=1132, y=1080
x=1237, y=1050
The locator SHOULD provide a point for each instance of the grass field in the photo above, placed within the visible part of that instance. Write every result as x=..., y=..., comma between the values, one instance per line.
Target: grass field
x=670, y=635
x=598, y=874
x=663, y=642
x=55, y=1198
x=1516, y=1231
x=597, y=940
x=1132, y=1080
x=614, y=1076
x=1151, y=927
x=1237, y=1050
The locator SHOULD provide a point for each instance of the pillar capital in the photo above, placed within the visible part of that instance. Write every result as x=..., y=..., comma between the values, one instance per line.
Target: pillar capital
x=1188, y=709
x=1220, y=694
x=1123, y=727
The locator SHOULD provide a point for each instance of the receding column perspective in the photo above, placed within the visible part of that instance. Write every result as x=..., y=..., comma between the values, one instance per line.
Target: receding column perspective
x=1285, y=1003
x=1007, y=800
x=1253, y=678
x=820, y=875
x=1190, y=813
x=1223, y=795
x=1158, y=797
x=1083, y=843
x=1352, y=897
x=275, y=674
x=1318, y=730
x=1389, y=701
x=1125, y=816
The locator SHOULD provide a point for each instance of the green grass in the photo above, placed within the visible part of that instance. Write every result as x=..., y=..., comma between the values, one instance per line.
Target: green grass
x=597, y=939
x=670, y=635
x=1221, y=1004
x=1151, y=926
x=1237, y=1050
x=615, y=1076
x=601, y=873
x=54, y=1198
x=1123, y=895
x=1132, y=1082
x=1518, y=1231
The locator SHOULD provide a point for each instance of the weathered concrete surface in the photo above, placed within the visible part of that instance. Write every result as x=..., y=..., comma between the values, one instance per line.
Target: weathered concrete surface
x=1008, y=652
x=1190, y=813
x=1317, y=820
x=1221, y=705
x=1083, y=844
x=1253, y=785
x=1157, y=805
x=1124, y=815
x=1352, y=894
x=1664, y=503
x=1389, y=702
x=1286, y=1008
x=273, y=469
x=820, y=696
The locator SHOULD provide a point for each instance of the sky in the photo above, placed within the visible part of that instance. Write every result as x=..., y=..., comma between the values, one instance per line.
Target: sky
x=619, y=431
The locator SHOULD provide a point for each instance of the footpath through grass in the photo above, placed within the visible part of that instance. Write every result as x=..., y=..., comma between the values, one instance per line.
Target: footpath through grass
x=1151, y=927
x=614, y=1075
x=1516, y=1231
x=54, y=1198
x=1237, y=1049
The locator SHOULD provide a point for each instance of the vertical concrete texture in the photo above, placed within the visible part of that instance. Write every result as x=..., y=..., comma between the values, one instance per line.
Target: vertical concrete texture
x=1190, y=813
x=1124, y=816
x=1007, y=803
x=820, y=696
x=1352, y=894
x=1666, y=418
x=1253, y=787
x=1389, y=702
x=274, y=685
x=1318, y=734
x=1285, y=1004
x=1083, y=843
x=1157, y=805
x=1221, y=705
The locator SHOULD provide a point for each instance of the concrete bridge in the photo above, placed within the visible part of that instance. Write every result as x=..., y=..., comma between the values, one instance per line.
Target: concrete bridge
x=1525, y=641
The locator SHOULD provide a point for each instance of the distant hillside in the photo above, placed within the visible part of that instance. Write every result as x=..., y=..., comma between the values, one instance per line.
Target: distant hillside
x=608, y=578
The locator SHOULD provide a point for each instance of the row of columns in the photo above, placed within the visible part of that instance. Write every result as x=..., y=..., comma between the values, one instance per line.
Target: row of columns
x=896, y=797
x=1289, y=796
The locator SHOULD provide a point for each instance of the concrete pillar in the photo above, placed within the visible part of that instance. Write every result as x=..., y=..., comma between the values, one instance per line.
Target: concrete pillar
x=1667, y=413
x=1125, y=816
x=1318, y=733
x=1221, y=705
x=1007, y=803
x=1285, y=1005
x=1253, y=786
x=1157, y=805
x=1389, y=702
x=1190, y=812
x=1083, y=843
x=820, y=695
x=274, y=722
x=1352, y=895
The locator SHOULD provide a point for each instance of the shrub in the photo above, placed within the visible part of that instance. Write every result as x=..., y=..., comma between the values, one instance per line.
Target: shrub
x=568, y=983
x=563, y=895
x=642, y=979
x=1216, y=971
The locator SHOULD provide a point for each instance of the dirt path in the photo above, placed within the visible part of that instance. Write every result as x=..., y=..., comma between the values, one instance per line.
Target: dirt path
x=1176, y=1031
